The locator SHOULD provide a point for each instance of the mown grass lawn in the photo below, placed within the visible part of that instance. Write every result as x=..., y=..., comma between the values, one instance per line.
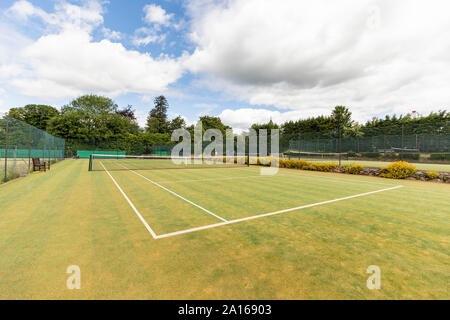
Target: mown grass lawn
x=70, y=216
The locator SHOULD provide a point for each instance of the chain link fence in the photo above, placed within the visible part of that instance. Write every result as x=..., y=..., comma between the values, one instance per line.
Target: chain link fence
x=20, y=143
x=430, y=142
x=419, y=143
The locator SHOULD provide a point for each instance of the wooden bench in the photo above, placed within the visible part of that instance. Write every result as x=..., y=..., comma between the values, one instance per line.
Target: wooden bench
x=39, y=166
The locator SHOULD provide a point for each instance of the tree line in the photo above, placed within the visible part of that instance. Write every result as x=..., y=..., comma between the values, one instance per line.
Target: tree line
x=93, y=122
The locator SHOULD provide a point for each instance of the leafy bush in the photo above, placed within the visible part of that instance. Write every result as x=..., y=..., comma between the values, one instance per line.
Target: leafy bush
x=410, y=156
x=440, y=156
x=351, y=154
x=354, y=169
x=432, y=175
x=391, y=155
x=400, y=170
x=323, y=167
x=372, y=155
x=305, y=165
x=293, y=164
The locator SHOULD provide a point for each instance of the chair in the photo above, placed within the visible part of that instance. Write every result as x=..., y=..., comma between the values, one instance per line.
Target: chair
x=39, y=166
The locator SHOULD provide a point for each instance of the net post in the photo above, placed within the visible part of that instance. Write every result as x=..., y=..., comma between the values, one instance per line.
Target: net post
x=248, y=159
x=90, y=161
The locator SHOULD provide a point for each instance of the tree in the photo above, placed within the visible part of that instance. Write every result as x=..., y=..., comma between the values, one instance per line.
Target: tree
x=214, y=123
x=128, y=113
x=157, y=119
x=354, y=131
x=341, y=118
x=34, y=114
x=268, y=126
x=92, y=104
x=95, y=122
x=177, y=123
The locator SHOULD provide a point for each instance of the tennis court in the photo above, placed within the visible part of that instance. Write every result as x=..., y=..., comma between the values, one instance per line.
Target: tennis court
x=311, y=235
x=174, y=202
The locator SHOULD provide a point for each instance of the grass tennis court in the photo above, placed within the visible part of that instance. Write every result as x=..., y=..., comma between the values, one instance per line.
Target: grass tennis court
x=222, y=233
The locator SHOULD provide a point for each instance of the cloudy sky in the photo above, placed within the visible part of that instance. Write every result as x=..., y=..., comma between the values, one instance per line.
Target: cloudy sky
x=245, y=60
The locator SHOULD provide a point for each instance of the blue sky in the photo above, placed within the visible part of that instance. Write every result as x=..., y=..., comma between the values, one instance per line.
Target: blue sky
x=246, y=61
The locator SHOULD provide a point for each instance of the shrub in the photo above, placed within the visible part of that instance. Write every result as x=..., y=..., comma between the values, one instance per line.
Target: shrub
x=440, y=156
x=266, y=161
x=293, y=164
x=400, y=170
x=354, y=169
x=391, y=155
x=372, y=155
x=410, y=156
x=432, y=175
x=323, y=167
x=351, y=154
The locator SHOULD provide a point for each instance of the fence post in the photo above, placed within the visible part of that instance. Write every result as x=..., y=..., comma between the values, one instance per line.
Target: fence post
x=29, y=156
x=6, y=148
x=403, y=137
x=30, y=142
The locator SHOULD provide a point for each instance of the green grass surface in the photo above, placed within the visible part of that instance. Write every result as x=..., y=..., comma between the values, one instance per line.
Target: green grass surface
x=70, y=216
x=382, y=164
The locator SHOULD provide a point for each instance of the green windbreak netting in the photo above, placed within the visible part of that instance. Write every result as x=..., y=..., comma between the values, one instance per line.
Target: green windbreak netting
x=20, y=142
x=420, y=143
x=82, y=154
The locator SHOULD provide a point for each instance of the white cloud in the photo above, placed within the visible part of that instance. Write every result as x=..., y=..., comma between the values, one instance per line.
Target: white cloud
x=66, y=15
x=157, y=15
x=206, y=108
x=1, y=100
x=144, y=36
x=23, y=9
x=11, y=42
x=67, y=62
x=376, y=56
x=111, y=34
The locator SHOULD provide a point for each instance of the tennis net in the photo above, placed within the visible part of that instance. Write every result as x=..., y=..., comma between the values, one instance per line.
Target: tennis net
x=101, y=162
x=314, y=156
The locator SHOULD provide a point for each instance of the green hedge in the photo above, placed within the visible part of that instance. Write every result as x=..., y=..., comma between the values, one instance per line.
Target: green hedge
x=440, y=156
x=410, y=156
x=374, y=155
x=406, y=156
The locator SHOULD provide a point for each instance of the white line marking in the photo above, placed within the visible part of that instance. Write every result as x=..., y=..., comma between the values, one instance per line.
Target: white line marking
x=177, y=195
x=131, y=204
x=211, y=179
x=270, y=214
x=316, y=174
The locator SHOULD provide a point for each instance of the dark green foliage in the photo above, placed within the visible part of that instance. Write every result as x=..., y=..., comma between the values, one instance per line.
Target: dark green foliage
x=128, y=113
x=177, y=123
x=157, y=119
x=440, y=156
x=371, y=155
x=35, y=115
x=410, y=156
